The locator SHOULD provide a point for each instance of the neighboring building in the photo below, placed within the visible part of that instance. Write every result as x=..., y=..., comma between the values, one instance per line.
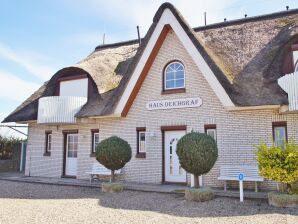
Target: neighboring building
x=222, y=79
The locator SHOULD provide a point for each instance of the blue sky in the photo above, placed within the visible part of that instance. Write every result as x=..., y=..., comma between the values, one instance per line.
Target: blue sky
x=37, y=38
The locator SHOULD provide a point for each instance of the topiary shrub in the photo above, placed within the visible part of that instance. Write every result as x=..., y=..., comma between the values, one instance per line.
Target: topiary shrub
x=279, y=163
x=113, y=153
x=197, y=153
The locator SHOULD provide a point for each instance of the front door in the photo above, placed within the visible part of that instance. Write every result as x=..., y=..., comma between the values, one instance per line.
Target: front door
x=173, y=171
x=71, y=154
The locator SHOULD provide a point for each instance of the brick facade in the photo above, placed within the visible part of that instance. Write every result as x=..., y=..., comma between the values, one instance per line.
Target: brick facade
x=237, y=131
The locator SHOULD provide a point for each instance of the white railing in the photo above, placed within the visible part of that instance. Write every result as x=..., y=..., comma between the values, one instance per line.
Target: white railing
x=59, y=109
x=289, y=83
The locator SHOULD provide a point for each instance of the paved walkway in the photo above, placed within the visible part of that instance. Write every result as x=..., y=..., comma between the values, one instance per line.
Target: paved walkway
x=159, y=188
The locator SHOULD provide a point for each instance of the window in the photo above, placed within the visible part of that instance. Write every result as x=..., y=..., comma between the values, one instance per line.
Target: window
x=95, y=140
x=174, y=76
x=141, y=143
x=279, y=133
x=210, y=129
x=48, y=145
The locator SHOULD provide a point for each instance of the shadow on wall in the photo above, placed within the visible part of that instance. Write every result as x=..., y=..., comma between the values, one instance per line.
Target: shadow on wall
x=169, y=204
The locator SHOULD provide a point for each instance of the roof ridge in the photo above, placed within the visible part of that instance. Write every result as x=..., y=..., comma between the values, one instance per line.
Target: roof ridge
x=117, y=44
x=247, y=19
x=210, y=26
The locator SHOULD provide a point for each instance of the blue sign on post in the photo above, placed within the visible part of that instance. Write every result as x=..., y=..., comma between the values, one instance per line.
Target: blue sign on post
x=241, y=176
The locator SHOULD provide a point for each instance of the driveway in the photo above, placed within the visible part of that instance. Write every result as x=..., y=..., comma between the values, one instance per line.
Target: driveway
x=38, y=203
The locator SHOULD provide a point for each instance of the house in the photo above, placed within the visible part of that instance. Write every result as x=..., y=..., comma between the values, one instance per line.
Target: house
x=233, y=80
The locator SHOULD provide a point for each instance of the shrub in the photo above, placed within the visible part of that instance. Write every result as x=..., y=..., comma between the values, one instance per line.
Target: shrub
x=278, y=199
x=197, y=153
x=201, y=194
x=279, y=164
x=113, y=153
x=6, y=146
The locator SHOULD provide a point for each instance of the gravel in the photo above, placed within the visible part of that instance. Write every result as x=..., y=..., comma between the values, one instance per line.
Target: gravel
x=38, y=203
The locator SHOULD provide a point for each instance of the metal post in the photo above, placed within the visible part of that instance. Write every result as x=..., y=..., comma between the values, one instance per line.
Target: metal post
x=139, y=36
x=205, y=19
x=241, y=190
x=22, y=154
x=103, y=39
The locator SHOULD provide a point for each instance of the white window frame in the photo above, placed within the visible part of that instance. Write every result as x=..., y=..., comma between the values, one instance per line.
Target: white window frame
x=94, y=143
x=49, y=142
x=165, y=76
x=139, y=136
x=212, y=129
x=276, y=141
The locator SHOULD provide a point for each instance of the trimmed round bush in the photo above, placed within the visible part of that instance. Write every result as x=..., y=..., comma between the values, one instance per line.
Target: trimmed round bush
x=197, y=153
x=113, y=153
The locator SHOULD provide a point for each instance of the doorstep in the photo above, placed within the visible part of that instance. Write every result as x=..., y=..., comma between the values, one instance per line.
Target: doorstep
x=157, y=188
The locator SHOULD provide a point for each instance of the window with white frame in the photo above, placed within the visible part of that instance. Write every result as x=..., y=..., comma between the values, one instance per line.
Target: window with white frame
x=48, y=145
x=211, y=130
x=142, y=141
x=174, y=76
x=279, y=133
x=95, y=140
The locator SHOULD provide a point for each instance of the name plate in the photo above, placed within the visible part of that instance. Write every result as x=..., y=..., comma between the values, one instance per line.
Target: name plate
x=173, y=104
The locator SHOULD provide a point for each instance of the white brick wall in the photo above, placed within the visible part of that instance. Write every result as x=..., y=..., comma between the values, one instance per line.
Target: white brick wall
x=237, y=131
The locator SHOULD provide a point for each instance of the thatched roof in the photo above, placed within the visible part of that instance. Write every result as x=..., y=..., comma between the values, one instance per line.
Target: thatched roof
x=245, y=55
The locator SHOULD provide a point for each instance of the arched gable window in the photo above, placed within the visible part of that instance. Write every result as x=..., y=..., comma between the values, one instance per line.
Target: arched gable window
x=174, y=76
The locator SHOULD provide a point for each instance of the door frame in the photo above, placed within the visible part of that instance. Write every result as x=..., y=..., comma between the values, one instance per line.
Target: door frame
x=65, y=133
x=163, y=130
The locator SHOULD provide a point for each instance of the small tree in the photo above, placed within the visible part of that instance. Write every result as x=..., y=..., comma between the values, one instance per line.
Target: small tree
x=113, y=153
x=279, y=163
x=197, y=153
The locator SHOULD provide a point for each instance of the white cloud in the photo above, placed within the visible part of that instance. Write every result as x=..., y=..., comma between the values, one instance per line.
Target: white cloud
x=14, y=88
x=42, y=72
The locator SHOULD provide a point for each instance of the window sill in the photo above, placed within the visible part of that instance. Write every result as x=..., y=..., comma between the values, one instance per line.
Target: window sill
x=141, y=155
x=93, y=154
x=47, y=154
x=173, y=91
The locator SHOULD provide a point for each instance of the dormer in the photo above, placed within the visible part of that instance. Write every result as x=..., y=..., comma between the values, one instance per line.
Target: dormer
x=68, y=91
x=289, y=82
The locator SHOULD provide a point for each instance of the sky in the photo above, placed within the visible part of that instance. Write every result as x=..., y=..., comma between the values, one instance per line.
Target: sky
x=38, y=38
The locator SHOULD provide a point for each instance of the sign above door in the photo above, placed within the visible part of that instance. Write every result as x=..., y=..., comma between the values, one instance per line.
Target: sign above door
x=174, y=103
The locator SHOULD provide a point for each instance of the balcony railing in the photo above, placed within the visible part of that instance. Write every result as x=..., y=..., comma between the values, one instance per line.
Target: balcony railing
x=289, y=83
x=59, y=109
